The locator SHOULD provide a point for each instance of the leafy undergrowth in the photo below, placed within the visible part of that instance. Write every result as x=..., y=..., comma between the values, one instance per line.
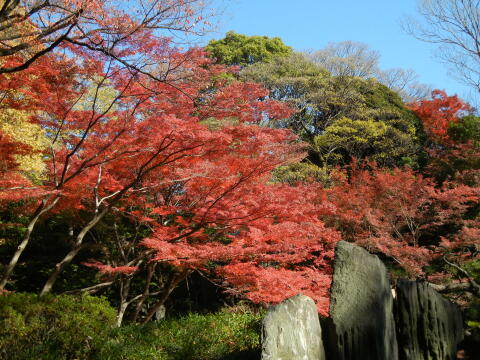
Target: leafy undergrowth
x=53, y=327
x=224, y=335
x=68, y=327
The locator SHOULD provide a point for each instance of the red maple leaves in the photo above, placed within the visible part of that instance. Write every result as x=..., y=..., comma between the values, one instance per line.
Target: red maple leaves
x=436, y=114
x=180, y=149
x=397, y=213
x=184, y=155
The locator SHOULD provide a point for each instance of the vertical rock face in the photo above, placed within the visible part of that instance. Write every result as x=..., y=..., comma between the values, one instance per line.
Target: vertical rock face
x=361, y=323
x=429, y=326
x=291, y=331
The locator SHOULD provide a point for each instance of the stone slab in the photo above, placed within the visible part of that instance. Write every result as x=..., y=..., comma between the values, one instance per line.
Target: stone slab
x=429, y=325
x=361, y=323
x=291, y=331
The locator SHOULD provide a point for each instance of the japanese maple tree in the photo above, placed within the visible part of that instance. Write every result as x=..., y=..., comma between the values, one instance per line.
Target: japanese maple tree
x=402, y=215
x=438, y=112
x=260, y=241
x=125, y=31
x=255, y=235
x=454, y=155
x=186, y=148
x=218, y=207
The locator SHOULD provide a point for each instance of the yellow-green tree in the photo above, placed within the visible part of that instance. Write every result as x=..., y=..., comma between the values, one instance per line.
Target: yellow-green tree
x=16, y=124
x=340, y=116
x=239, y=49
x=376, y=140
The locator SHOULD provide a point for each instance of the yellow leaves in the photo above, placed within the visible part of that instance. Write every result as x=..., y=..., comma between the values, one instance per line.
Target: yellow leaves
x=347, y=133
x=18, y=31
x=99, y=97
x=301, y=172
x=214, y=124
x=380, y=141
x=15, y=123
x=359, y=130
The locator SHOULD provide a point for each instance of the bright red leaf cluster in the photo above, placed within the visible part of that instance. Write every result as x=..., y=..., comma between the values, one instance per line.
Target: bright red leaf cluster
x=257, y=232
x=436, y=114
x=397, y=213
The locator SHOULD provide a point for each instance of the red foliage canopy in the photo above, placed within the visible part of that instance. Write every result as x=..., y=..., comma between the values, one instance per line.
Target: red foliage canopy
x=265, y=240
x=184, y=155
x=125, y=31
x=436, y=114
x=399, y=213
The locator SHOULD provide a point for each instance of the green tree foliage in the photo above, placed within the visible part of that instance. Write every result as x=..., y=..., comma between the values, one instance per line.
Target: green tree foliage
x=347, y=138
x=466, y=129
x=466, y=134
x=342, y=116
x=297, y=81
x=301, y=172
x=238, y=49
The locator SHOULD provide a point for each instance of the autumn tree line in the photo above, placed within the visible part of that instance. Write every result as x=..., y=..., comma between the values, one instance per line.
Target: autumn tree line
x=128, y=164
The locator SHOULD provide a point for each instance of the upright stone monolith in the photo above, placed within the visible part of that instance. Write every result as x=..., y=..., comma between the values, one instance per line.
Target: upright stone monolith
x=291, y=331
x=361, y=323
x=429, y=326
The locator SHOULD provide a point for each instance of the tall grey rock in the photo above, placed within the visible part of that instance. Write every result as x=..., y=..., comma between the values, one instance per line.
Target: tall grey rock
x=361, y=323
x=429, y=326
x=291, y=331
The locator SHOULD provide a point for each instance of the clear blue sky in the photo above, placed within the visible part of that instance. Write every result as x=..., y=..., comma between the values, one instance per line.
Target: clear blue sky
x=312, y=24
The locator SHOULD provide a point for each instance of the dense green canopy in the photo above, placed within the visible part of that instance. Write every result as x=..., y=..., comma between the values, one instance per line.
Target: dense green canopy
x=341, y=116
x=238, y=49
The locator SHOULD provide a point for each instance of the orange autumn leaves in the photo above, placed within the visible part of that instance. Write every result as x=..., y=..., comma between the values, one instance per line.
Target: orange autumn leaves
x=437, y=113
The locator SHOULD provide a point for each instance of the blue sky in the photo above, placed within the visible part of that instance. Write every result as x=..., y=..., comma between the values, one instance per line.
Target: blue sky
x=312, y=24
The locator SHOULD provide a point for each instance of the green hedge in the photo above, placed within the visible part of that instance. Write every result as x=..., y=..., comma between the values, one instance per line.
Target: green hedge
x=222, y=336
x=68, y=327
x=53, y=327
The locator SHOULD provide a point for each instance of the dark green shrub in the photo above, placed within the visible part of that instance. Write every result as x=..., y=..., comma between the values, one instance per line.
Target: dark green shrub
x=67, y=327
x=472, y=338
x=225, y=335
x=53, y=327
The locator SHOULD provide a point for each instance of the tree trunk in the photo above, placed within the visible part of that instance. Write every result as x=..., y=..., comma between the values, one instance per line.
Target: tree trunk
x=146, y=291
x=124, y=292
x=72, y=253
x=42, y=208
x=121, y=312
x=176, y=279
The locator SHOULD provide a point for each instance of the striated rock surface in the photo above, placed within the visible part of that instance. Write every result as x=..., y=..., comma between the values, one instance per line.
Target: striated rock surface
x=291, y=331
x=361, y=323
x=429, y=326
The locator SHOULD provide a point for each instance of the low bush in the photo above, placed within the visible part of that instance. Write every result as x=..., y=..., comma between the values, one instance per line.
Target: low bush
x=222, y=336
x=53, y=327
x=67, y=327
x=472, y=338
